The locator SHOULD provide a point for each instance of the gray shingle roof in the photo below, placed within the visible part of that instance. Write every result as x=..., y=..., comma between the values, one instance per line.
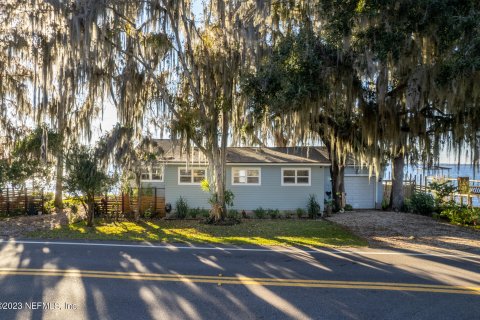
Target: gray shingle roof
x=314, y=155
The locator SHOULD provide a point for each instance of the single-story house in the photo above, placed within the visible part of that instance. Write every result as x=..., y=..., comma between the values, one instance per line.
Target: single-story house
x=267, y=177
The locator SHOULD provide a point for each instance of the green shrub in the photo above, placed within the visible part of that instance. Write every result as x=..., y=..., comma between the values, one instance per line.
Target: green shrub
x=442, y=190
x=182, y=208
x=313, y=207
x=73, y=204
x=233, y=214
x=49, y=206
x=300, y=212
x=407, y=205
x=71, y=201
x=273, y=213
x=148, y=213
x=205, y=213
x=422, y=203
x=348, y=207
x=259, y=213
x=194, y=212
x=384, y=204
x=461, y=214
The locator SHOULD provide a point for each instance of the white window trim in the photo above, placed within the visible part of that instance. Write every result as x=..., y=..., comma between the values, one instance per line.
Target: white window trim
x=191, y=170
x=150, y=174
x=248, y=184
x=297, y=184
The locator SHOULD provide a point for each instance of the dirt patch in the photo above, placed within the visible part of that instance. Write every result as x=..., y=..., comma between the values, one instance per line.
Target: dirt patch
x=408, y=231
x=20, y=226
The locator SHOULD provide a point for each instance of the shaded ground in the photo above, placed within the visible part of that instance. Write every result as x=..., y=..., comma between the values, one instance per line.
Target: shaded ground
x=408, y=231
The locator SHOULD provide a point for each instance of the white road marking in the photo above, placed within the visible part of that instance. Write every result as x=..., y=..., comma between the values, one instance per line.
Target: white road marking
x=269, y=249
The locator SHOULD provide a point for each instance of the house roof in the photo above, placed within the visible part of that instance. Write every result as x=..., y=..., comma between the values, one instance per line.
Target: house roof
x=256, y=155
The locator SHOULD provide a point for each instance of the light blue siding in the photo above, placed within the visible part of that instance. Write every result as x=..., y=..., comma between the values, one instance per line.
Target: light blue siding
x=173, y=191
x=270, y=194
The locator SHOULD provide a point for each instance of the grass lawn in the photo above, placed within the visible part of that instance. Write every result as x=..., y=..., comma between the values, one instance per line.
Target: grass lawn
x=253, y=232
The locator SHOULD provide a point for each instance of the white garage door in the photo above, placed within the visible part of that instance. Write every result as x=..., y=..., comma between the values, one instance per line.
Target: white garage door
x=360, y=192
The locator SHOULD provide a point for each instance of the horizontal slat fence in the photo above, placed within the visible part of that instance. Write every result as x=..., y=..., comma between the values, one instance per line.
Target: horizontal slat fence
x=27, y=201
x=151, y=200
x=21, y=201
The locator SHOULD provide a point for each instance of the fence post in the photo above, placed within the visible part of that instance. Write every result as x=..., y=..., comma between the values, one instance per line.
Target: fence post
x=139, y=200
x=106, y=204
x=155, y=201
x=43, y=203
x=8, y=203
x=26, y=201
x=123, y=203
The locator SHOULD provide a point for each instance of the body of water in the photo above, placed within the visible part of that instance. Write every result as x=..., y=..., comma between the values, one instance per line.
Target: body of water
x=444, y=170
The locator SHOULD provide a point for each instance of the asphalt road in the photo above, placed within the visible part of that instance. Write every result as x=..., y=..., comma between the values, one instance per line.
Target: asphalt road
x=79, y=280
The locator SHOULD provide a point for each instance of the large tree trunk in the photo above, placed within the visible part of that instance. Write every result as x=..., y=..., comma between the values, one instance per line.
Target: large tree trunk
x=397, y=194
x=90, y=210
x=58, y=202
x=217, y=160
x=337, y=172
x=59, y=180
x=217, y=169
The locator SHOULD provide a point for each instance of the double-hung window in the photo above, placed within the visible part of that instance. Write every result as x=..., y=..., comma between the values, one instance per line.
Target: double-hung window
x=191, y=175
x=246, y=176
x=152, y=173
x=296, y=177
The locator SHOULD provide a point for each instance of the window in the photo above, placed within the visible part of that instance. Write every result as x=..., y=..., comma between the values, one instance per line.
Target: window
x=152, y=173
x=245, y=176
x=295, y=177
x=191, y=175
x=157, y=173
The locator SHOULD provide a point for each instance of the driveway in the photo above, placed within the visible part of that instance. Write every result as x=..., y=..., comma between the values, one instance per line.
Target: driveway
x=387, y=229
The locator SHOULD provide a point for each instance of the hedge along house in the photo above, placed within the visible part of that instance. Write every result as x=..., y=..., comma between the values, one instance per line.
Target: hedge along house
x=274, y=178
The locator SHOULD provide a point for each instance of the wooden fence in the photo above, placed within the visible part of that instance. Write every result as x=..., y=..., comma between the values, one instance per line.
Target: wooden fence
x=152, y=202
x=409, y=188
x=27, y=201
x=21, y=201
